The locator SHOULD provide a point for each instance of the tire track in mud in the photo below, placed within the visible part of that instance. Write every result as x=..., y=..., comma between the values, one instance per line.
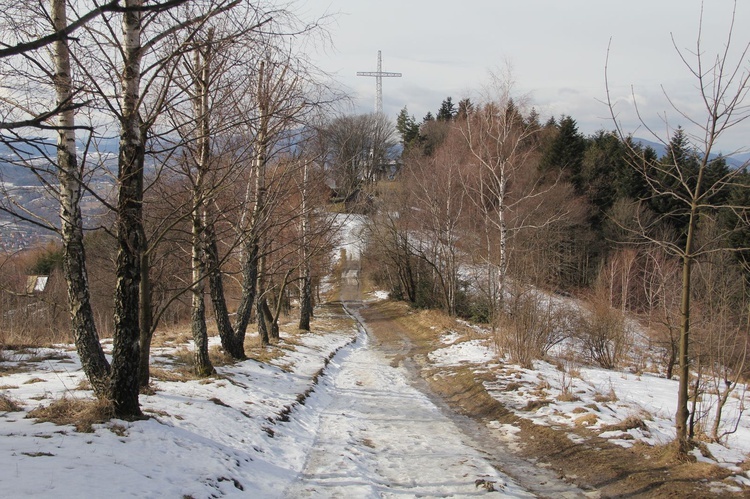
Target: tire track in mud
x=390, y=338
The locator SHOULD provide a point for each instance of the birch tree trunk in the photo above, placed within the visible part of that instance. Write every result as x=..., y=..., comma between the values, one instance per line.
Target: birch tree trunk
x=203, y=366
x=89, y=348
x=202, y=67
x=145, y=322
x=259, y=165
x=305, y=286
x=130, y=232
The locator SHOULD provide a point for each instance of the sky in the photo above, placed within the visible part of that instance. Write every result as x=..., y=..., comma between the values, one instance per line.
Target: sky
x=555, y=52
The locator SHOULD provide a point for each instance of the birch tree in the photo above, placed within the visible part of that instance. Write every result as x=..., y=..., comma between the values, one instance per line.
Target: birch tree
x=503, y=181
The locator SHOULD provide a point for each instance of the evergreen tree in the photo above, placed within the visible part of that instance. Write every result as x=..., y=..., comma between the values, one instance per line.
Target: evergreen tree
x=732, y=221
x=629, y=182
x=602, y=163
x=532, y=121
x=679, y=163
x=408, y=128
x=566, y=151
x=447, y=110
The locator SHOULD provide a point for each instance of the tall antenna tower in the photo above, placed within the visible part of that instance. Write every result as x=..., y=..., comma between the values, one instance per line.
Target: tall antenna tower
x=379, y=75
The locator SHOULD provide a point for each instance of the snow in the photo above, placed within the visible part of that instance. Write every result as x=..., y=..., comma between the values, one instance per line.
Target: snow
x=379, y=437
x=473, y=351
x=351, y=228
x=204, y=438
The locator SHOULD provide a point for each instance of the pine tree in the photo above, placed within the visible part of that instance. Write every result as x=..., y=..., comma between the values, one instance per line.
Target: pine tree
x=408, y=128
x=447, y=110
x=566, y=151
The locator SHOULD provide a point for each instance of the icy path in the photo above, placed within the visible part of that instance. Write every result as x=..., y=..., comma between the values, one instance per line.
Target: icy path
x=378, y=437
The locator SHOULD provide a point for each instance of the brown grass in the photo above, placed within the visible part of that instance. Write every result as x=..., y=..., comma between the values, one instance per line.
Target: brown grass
x=587, y=420
x=219, y=357
x=568, y=397
x=81, y=413
x=630, y=423
x=13, y=339
x=533, y=405
x=177, y=335
x=8, y=404
x=173, y=374
x=14, y=368
x=262, y=354
x=602, y=398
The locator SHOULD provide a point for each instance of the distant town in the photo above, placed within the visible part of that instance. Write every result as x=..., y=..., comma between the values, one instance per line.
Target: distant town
x=15, y=237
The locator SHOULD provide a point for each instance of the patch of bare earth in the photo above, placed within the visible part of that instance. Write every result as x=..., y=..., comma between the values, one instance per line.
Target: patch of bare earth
x=592, y=463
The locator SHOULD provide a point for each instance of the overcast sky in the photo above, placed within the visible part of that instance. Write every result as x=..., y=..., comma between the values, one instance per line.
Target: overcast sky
x=556, y=50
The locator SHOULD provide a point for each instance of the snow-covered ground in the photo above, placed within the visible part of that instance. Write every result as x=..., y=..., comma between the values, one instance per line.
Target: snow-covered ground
x=362, y=432
x=620, y=406
x=205, y=438
x=377, y=436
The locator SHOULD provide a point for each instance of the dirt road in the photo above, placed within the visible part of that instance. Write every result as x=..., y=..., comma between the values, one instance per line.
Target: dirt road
x=379, y=435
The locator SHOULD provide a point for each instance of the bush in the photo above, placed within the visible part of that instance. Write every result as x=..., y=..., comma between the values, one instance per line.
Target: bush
x=604, y=334
x=529, y=326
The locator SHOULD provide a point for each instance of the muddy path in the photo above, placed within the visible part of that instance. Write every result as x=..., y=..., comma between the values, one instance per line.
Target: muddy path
x=388, y=339
x=548, y=461
x=376, y=435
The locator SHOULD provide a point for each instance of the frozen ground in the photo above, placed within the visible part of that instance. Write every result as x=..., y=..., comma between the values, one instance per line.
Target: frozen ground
x=363, y=432
x=620, y=406
x=377, y=436
x=217, y=437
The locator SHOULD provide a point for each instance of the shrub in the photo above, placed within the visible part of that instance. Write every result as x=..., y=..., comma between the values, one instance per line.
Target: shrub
x=529, y=326
x=604, y=334
x=7, y=404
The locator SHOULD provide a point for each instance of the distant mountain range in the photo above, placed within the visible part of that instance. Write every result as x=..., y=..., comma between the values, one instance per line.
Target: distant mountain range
x=735, y=161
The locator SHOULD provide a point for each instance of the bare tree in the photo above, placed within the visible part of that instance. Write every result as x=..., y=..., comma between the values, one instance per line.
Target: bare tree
x=696, y=188
x=359, y=151
x=438, y=195
x=504, y=183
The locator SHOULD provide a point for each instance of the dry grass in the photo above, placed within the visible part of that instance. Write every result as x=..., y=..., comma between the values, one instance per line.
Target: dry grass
x=14, y=368
x=8, y=404
x=567, y=396
x=629, y=423
x=263, y=354
x=169, y=337
x=15, y=338
x=586, y=420
x=533, y=405
x=219, y=357
x=81, y=413
x=182, y=357
x=177, y=374
x=603, y=398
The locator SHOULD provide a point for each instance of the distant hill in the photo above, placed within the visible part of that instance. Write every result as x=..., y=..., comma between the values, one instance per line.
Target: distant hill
x=736, y=161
